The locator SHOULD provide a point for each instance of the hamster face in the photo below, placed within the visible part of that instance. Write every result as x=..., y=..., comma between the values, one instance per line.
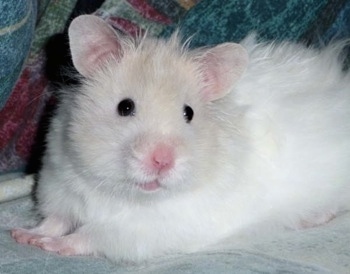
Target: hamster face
x=137, y=125
x=140, y=124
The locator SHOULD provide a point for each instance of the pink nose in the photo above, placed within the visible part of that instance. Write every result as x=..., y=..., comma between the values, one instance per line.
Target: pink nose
x=162, y=158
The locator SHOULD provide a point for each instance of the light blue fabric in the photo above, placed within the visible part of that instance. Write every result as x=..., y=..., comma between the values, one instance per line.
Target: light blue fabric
x=17, y=22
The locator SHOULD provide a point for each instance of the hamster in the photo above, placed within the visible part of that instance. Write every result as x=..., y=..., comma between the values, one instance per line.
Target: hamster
x=165, y=150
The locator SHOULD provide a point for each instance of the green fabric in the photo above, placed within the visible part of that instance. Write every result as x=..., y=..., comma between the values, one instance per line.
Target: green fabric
x=53, y=21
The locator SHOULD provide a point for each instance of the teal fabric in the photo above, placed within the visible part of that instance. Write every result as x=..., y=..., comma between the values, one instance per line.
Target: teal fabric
x=340, y=28
x=216, y=21
x=17, y=22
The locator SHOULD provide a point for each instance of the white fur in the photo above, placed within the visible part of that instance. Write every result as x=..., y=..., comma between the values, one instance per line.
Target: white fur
x=275, y=149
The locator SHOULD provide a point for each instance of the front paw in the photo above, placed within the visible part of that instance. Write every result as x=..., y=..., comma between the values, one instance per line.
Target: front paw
x=69, y=245
x=24, y=236
x=58, y=245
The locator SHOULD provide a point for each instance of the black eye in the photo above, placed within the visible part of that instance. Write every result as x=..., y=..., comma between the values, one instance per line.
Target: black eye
x=188, y=113
x=126, y=107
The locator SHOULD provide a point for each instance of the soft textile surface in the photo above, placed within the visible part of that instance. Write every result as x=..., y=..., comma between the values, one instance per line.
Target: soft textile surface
x=14, y=185
x=17, y=22
x=324, y=249
x=311, y=21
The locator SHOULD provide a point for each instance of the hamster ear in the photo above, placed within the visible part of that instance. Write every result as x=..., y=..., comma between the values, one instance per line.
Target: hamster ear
x=221, y=67
x=91, y=42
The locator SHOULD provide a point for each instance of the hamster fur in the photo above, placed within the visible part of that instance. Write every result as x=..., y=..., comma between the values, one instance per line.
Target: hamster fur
x=163, y=149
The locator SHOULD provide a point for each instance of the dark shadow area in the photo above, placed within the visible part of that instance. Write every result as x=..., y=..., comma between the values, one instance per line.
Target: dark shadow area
x=59, y=67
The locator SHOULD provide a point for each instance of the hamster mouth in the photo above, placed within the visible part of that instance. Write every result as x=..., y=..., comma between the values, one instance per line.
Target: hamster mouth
x=150, y=186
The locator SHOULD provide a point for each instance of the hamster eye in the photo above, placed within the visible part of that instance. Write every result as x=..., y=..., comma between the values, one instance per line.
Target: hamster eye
x=188, y=113
x=126, y=107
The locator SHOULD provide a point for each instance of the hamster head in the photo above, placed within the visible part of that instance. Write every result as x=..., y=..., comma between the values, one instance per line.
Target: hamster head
x=141, y=123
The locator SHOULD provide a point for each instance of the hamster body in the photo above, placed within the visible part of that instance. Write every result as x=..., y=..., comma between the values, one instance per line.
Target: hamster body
x=164, y=150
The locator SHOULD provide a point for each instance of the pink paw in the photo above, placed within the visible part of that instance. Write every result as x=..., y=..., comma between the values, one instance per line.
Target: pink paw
x=50, y=235
x=59, y=245
x=24, y=236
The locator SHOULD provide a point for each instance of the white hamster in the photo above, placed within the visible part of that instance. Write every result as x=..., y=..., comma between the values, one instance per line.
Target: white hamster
x=163, y=149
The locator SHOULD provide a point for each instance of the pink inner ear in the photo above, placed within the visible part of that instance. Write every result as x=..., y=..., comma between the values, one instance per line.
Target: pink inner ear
x=221, y=67
x=211, y=78
x=98, y=54
x=92, y=42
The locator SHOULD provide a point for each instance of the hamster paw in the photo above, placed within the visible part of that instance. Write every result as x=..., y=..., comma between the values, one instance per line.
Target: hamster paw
x=54, y=244
x=50, y=226
x=70, y=245
x=24, y=236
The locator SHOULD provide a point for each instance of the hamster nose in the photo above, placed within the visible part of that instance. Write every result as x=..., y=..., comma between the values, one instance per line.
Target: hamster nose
x=162, y=158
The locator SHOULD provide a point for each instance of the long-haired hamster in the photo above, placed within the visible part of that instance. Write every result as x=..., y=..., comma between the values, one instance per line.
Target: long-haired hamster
x=163, y=149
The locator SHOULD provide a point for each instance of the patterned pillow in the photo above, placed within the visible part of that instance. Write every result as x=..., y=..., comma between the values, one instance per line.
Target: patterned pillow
x=23, y=105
